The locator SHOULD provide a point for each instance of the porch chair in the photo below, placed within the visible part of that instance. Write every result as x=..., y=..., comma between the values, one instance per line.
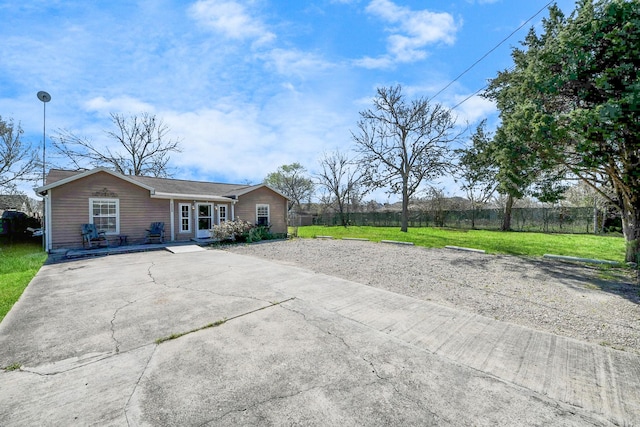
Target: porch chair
x=92, y=237
x=155, y=232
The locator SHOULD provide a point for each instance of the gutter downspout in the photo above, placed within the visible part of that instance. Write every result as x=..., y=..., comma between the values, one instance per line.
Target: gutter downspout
x=172, y=220
x=47, y=222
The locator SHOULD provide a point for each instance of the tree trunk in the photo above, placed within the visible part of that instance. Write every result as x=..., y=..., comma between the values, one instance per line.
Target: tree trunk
x=343, y=216
x=506, y=221
x=473, y=216
x=631, y=230
x=595, y=215
x=404, y=220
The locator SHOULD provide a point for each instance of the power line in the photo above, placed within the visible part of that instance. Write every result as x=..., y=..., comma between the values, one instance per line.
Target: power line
x=488, y=53
x=513, y=67
x=468, y=97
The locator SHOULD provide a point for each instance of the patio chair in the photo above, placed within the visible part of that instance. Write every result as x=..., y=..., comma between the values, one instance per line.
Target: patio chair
x=91, y=237
x=155, y=232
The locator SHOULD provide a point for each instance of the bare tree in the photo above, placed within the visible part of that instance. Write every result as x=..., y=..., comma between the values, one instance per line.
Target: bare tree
x=143, y=147
x=439, y=204
x=342, y=181
x=18, y=162
x=403, y=144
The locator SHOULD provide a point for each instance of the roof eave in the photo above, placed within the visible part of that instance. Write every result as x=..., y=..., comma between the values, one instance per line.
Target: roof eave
x=195, y=197
x=258, y=186
x=43, y=189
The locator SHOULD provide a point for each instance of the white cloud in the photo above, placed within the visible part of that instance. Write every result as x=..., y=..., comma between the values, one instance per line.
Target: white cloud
x=295, y=63
x=381, y=62
x=474, y=109
x=411, y=32
x=238, y=142
x=483, y=1
x=231, y=19
x=122, y=104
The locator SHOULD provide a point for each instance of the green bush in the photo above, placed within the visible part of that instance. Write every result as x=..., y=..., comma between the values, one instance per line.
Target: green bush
x=258, y=233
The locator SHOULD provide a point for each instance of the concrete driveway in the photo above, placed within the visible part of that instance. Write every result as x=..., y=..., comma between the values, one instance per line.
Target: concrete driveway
x=214, y=338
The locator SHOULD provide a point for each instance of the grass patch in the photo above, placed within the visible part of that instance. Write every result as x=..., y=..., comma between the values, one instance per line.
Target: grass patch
x=611, y=248
x=13, y=367
x=181, y=334
x=19, y=262
x=220, y=322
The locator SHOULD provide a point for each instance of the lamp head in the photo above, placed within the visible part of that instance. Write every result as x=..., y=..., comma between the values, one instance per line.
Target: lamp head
x=44, y=96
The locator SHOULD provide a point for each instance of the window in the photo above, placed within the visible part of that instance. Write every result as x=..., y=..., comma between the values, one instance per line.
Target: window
x=262, y=215
x=185, y=217
x=222, y=213
x=105, y=214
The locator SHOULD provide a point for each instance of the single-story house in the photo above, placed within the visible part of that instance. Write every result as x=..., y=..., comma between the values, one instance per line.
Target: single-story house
x=126, y=205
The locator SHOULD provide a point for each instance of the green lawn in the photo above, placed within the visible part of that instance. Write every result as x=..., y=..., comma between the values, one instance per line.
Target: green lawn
x=610, y=248
x=19, y=262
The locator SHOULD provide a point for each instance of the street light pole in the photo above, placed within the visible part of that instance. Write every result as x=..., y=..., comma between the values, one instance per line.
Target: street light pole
x=44, y=97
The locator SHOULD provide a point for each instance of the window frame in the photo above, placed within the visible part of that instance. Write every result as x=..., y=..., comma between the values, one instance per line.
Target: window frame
x=258, y=216
x=181, y=217
x=92, y=217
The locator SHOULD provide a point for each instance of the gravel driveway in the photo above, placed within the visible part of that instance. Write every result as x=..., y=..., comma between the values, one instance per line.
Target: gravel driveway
x=582, y=302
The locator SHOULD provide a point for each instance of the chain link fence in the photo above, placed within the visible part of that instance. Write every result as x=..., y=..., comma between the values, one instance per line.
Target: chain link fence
x=547, y=220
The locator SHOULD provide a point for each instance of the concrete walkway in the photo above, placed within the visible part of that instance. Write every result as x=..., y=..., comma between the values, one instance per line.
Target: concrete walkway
x=257, y=342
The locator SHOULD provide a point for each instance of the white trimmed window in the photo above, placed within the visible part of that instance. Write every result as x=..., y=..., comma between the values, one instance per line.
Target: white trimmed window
x=262, y=215
x=222, y=213
x=185, y=217
x=105, y=215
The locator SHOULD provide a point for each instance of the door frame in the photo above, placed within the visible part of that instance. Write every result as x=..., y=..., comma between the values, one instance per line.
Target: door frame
x=226, y=209
x=204, y=233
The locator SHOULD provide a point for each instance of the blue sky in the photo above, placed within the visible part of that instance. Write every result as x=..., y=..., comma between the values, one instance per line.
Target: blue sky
x=247, y=85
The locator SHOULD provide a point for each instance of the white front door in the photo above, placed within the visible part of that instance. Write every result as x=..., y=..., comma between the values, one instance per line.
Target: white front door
x=223, y=212
x=204, y=220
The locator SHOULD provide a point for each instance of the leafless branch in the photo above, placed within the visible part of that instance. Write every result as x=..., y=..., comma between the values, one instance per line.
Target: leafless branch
x=18, y=162
x=143, y=147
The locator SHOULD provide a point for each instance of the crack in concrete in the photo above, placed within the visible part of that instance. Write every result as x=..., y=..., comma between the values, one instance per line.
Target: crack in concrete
x=153, y=279
x=285, y=396
x=105, y=356
x=370, y=363
x=113, y=329
x=374, y=370
x=219, y=322
x=135, y=386
x=113, y=326
x=331, y=386
x=207, y=291
x=26, y=370
x=157, y=345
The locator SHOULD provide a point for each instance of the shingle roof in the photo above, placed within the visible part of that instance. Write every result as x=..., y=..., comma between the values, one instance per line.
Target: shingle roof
x=55, y=175
x=178, y=186
x=166, y=185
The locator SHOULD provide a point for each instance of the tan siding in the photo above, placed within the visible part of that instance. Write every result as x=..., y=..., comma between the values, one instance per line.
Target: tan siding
x=70, y=209
x=246, y=208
